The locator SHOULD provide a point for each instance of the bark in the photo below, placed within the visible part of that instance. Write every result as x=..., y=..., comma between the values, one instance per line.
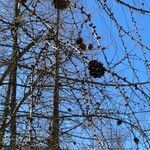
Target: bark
x=55, y=122
x=14, y=80
x=5, y=114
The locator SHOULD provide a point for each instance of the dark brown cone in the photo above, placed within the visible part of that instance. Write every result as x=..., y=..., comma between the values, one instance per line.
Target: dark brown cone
x=61, y=4
x=96, y=69
x=90, y=46
x=83, y=46
x=79, y=41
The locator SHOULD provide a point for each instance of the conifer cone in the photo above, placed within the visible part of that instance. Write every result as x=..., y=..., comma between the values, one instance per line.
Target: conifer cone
x=79, y=41
x=83, y=47
x=61, y=4
x=90, y=46
x=96, y=69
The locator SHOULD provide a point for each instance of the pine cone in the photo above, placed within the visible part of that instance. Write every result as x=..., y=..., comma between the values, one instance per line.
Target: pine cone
x=83, y=46
x=79, y=41
x=96, y=69
x=90, y=46
x=61, y=4
x=93, y=64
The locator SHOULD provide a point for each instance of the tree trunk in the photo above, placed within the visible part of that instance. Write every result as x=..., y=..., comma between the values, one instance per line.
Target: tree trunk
x=14, y=79
x=5, y=114
x=55, y=122
x=13, y=115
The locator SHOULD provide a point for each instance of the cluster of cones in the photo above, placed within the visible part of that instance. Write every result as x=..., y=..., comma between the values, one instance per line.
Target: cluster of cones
x=96, y=69
x=61, y=4
x=82, y=45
